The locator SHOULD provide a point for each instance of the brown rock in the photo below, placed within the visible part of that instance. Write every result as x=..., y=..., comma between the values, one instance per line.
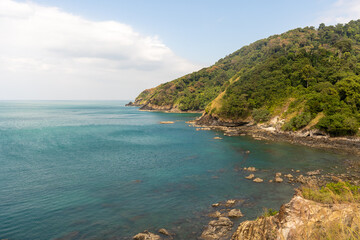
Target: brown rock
x=215, y=204
x=311, y=173
x=278, y=179
x=164, y=231
x=146, y=236
x=299, y=219
x=230, y=203
x=217, y=229
x=278, y=174
x=251, y=176
x=216, y=214
x=258, y=180
x=235, y=213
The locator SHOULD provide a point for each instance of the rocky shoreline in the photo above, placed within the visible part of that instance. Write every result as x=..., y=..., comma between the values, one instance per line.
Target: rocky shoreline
x=272, y=132
x=291, y=219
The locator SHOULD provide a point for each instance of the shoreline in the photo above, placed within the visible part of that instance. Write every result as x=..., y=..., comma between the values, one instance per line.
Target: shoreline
x=307, y=138
x=344, y=144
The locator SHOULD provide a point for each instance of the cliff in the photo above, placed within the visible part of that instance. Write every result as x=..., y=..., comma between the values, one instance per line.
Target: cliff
x=304, y=219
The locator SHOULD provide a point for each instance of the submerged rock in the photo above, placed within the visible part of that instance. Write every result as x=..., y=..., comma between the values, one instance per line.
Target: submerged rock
x=215, y=204
x=146, y=235
x=217, y=229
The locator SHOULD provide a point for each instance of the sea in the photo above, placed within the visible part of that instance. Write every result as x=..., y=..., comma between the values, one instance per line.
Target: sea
x=100, y=170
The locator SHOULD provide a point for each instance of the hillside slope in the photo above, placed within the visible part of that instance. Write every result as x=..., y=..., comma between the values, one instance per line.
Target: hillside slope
x=302, y=79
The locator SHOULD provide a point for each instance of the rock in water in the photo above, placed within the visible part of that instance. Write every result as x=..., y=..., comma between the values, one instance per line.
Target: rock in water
x=146, y=236
x=215, y=214
x=230, y=203
x=250, y=169
x=217, y=229
x=166, y=122
x=235, y=213
x=251, y=176
x=258, y=180
x=278, y=179
x=164, y=231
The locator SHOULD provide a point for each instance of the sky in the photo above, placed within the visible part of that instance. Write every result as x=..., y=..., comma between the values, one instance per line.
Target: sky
x=114, y=49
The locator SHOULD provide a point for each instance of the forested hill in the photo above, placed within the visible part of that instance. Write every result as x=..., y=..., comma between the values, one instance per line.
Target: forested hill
x=306, y=77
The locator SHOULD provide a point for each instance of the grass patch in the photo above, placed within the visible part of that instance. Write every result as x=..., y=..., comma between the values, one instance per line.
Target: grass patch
x=340, y=192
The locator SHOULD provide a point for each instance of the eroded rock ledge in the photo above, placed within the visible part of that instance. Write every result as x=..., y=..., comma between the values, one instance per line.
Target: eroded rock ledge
x=299, y=219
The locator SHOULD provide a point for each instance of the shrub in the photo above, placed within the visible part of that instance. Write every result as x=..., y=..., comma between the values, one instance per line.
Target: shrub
x=339, y=125
x=298, y=122
x=261, y=115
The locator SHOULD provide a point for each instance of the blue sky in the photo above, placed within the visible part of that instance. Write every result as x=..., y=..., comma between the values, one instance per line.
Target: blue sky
x=87, y=49
x=202, y=30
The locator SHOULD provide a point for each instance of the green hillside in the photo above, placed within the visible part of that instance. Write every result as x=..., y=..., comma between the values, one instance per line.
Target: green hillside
x=308, y=77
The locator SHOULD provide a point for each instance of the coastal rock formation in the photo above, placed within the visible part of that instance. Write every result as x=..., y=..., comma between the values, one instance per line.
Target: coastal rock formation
x=299, y=219
x=217, y=229
x=146, y=235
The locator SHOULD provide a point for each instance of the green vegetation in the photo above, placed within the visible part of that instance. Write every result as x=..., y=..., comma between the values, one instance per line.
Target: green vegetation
x=340, y=192
x=270, y=212
x=317, y=68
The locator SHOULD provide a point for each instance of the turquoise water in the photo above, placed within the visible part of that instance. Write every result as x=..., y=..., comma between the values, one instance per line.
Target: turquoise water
x=99, y=170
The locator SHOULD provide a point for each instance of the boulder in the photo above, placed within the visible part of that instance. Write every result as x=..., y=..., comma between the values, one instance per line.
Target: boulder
x=216, y=214
x=250, y=169
x=230, y=203
x=215, y=204
x=288, y=175
x=258, y=180
x=164, y=231
x=278, y=174
x=235, y=213
x=278, y=179
x=251, y=176
x=146, y=235
x=217, y=229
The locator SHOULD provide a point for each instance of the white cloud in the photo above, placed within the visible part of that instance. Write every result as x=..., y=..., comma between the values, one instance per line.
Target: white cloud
x=342, y=11
x=46, y=53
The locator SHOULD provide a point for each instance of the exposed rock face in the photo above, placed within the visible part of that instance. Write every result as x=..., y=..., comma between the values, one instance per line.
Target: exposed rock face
x=298, y=219
x=217, y=229
x=146, y=236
